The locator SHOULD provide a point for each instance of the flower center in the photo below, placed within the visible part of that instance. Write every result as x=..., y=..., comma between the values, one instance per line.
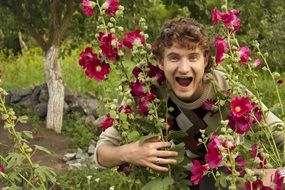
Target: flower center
x=238, y=109
x=98, y=68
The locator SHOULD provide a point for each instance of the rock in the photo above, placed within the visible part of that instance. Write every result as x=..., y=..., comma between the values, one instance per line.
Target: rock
x=28, y=102
x=91, y=149
x=41, y=109
x=90, y=120
x=43, y=97
x=75, y=165
x=79, y=153
x=69, y=156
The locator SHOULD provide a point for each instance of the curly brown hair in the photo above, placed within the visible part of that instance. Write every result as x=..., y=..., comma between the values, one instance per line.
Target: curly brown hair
x=187, y=33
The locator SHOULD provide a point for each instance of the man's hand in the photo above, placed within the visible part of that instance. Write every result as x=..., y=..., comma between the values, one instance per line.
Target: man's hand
x=149, y=154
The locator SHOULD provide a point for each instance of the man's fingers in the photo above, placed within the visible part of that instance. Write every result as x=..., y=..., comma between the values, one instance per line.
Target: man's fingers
x=157, y=167
x=166, y=153
x=159, y=145
x=155, y=139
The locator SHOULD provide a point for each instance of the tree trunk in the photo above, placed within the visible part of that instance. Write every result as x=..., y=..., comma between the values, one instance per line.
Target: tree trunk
x=55, y=89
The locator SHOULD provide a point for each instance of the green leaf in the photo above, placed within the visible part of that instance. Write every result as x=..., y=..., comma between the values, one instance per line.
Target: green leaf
x=14, y=159
x=159, y=184
x=147, y=137
x=46, y=174
x=28, y=134
x=180, y=148
x=113, y=113
x=23, y=119
x=123, y=116
x=176, y=135
x=42, y=149
x=132, y=136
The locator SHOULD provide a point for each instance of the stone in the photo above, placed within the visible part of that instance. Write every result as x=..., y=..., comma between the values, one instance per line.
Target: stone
x=69, y=156
x=91, y=149
x=41, y=109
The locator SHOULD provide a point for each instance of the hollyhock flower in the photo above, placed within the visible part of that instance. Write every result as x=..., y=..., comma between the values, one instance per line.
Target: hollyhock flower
x=87, y=7
x=221, y=48
x=154, y=71
x=208, y=105
x=241, y=164
x=170, y=123
x=97, y=70
x=240, y=106
x=130, y=37
x=108, y=122
x=198, y=171
x=215, y=16
x=87, y=56
x=244, y=53
x=256, y=63
x=240, y=125
x=126, y=168
x=106, y=46
x=278, y=180
x=144, y=103
x=255, y=185
x=113, y=6
x=257, y=114
x=230, y=19
x=125, y=109
x=213, y=156
x=136, y=71
x=2, y=169
x=137, y=89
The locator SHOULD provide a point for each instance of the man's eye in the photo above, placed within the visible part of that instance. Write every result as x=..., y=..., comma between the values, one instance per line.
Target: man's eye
x=173, y=58
x=193, y=58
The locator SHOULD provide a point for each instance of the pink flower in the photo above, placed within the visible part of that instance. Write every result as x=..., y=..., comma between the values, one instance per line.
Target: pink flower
x=2, y=169
x=215, y=16
x=106, y=46
x=213, y=156
x=278, y=181
x=244, y=53
x=230, y=19
x=240, y=106
x=255, y=152
x=255, y=185
x=221, y=48
x=240, y=125
x=144, y=103
x=136, y=71
x=257, y=114
x=87, y=7
x=131, y=37
x=256, y=63
x=154, y=71
x=208, y=105
x=137, y=89
x=108, y=122
x=113, y=7
x=198, y=171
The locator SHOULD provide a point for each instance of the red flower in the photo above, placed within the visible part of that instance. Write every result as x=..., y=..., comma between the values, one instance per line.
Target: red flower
x=229, y=19
x=137, y=89
x=198, y=171
x=240, y=106
x=113, y=7
x=278, y=180
x=221, y=47
x=241, y=164
x=255, y=152
x=144, y=103
x=87, y=7
x=255, y=185
x=106, y=46
x=108, y=122
x=240, y=125
x=208, y=105
x=244, y=53
x=136, y=71
x=86, y=57
x=97, y=70
x=2, y=169
x=213, y=156
x=131, y=37
x=154, y=71
x=256, y=63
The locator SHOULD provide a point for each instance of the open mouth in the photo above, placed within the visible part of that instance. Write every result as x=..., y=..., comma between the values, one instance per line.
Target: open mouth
x=184, y=81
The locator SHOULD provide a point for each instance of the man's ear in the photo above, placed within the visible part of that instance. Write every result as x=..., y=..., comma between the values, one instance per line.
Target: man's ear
x=206, y=61
x=160, y=65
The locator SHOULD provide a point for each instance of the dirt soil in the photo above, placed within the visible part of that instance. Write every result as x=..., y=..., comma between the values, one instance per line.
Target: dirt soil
x=57, y=144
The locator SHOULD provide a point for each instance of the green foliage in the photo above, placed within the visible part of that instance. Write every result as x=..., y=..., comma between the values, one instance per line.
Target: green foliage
x=80, y=134
x=92, y=178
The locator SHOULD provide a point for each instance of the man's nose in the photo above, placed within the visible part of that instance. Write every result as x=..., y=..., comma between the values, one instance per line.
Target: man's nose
x=184, y=66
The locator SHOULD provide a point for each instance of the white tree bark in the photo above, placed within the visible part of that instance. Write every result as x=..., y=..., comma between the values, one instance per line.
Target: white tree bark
x=55, y=88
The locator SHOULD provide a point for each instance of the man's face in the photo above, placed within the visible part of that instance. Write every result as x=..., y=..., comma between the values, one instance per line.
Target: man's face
x=184, y=70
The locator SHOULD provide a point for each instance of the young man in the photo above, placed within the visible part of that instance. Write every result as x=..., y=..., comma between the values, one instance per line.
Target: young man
x=183, y=53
